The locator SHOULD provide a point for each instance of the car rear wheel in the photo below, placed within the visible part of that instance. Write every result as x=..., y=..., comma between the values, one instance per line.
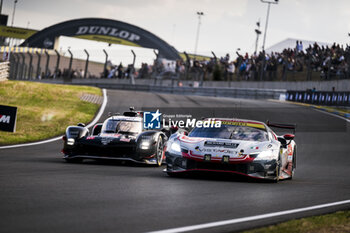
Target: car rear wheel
x=278, y=169
x=159, y=151
x=294, y=163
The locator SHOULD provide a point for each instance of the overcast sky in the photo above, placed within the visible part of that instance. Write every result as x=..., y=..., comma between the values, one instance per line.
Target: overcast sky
x=226, y=25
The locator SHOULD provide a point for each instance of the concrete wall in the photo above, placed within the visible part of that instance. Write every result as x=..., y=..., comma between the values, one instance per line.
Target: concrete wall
x=340, y=85
x=248, y=93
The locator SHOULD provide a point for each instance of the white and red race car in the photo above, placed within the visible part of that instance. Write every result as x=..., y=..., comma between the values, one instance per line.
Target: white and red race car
x=244, y=147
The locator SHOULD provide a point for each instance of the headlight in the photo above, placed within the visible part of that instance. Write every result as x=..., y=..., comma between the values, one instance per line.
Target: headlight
x=146, y=141
x=145, y=145
x=70, y=141
x=175, y=148
x=147, y=137
x=264, y=155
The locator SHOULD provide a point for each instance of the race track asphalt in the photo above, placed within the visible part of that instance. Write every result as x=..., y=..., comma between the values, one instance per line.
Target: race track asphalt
x=39, y=192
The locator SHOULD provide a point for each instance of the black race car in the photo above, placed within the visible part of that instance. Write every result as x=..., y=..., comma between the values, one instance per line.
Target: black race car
x=119, y=137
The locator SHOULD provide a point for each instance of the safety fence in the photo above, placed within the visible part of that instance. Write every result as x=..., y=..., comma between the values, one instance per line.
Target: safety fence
x=36, y=64
x=320, y=97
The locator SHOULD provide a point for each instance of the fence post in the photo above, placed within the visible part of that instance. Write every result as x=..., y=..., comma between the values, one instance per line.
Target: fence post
x=13, y=61
x=25, y=72
x=132, y=80
x=134, y=58
x=70, y=63
x=154, y=71
x=38, y=68
x=47, y=63
x=22, y=66
x=30, y=65
x=57, y=62
x=105, y=65
x=214, y=55
x=16, y=65
x=157, y=54
x=86, y=63
x=215, y=61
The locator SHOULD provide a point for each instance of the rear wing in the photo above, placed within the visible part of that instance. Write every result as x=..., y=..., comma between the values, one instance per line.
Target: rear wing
x=282, y=125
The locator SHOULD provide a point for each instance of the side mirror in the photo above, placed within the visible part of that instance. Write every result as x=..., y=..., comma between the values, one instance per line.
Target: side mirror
x=289, y=136
x=96, y=130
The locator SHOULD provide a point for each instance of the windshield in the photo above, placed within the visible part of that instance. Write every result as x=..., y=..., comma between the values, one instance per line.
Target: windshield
x=118, y=126
x=235, y=132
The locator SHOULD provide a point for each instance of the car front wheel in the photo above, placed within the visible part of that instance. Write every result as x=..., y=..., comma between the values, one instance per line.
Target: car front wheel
x=159, y=151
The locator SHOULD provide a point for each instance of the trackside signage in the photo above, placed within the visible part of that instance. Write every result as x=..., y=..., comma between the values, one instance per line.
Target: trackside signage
x=107, y=31
x=8, y=117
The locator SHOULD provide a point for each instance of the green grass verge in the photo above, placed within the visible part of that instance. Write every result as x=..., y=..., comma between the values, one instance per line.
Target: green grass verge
x=336, y=222
x=45, y=110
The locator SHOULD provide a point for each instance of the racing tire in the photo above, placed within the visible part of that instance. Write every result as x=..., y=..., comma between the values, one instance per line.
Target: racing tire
x=294, y=162
x=159, y=151
x=278, y=169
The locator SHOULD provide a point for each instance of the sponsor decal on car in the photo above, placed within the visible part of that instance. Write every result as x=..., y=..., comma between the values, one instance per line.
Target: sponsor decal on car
x=189, y=140
x=125, y=139
x=220, y=144
x=116, y=135
x=290, y=150
x=215, y=150
x=106, y=140
x=244, y=123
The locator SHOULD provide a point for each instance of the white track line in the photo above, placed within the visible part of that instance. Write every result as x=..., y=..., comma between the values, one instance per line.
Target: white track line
x=247, y=219
x=98, y=116
x=319, y=110
x=332, y=114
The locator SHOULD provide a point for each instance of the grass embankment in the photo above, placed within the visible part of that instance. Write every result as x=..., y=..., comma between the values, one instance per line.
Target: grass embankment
x=45, y=110
x=335, y=223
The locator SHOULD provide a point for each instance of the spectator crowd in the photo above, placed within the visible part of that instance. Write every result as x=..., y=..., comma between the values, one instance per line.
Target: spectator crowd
x=313, y=62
